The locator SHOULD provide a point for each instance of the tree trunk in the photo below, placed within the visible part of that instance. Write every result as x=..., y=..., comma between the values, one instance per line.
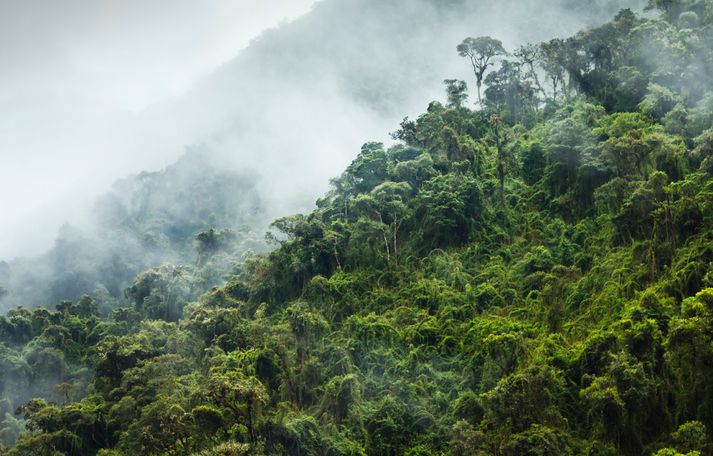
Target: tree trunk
x=396, y=227
x=251, y=430
x=495, y=124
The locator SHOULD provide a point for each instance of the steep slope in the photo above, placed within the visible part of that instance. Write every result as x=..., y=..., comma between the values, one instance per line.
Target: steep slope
x=532, y=277
x=293, y=104
x=287, y=112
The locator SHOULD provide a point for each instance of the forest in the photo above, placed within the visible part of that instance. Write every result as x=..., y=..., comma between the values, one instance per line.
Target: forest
x=526, y=270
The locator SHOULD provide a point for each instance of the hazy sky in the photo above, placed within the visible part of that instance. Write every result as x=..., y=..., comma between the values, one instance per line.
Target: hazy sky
x=94, y=90
x=73, y=72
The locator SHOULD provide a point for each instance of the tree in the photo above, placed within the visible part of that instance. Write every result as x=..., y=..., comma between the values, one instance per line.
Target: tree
x=551, y=62
x=672, y=8
x=457, y=92
x=658, y=101
x=510, y=92
x=691, y=436
x=481, y=52
x=212, y=241
x=162, y=428
x=86, y=307
x=242, y=395
x=528, y=55
x=689, y=356
x=539, y=440
x=448, y=206
x=496, y=126
x=533, y=160
x=384, y=207
x=161, y=293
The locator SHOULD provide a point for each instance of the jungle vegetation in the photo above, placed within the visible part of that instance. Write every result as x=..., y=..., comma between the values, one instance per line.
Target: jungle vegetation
x=527, y=275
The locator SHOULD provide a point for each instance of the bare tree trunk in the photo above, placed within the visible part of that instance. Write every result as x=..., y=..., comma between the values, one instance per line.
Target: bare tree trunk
x=395, y=229
x=537, y=81
x=386, y=241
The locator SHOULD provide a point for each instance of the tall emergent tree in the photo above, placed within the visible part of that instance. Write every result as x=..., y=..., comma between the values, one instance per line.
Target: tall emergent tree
x=482, y=52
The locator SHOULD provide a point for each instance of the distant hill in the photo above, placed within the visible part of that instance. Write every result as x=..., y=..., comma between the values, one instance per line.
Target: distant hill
x=146, y=220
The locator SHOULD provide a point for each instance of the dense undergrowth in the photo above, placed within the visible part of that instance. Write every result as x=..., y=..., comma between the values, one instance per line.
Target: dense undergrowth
x=529, y=278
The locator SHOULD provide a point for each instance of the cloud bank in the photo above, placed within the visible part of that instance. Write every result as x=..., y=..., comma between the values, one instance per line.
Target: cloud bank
x=98, y=90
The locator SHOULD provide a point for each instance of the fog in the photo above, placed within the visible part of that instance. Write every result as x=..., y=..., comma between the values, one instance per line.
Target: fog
x=283, y=90
x=75, y=76
x=296, y=105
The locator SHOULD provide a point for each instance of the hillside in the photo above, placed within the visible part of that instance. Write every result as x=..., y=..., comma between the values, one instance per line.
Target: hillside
x=277, y=121
x=294, y=105
x=146, y=220
x=530, y=277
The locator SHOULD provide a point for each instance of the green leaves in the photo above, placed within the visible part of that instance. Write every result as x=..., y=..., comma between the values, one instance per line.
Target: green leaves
x=529, y=278
x=481, y=52
x=448, y=207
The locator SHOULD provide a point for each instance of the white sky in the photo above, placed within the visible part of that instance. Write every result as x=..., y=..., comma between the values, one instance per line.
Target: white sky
x=72, y=75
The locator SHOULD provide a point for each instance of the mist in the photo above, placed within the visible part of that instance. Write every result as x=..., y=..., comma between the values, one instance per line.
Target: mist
x=296, y=106
x=76, y=76
x=283, y=92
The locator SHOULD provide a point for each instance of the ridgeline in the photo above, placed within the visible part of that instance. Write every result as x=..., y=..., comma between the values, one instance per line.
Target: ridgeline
x=531, y=277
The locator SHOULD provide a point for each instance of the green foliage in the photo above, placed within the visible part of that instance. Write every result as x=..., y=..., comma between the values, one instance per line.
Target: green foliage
x=529, y=278
x=481, y=52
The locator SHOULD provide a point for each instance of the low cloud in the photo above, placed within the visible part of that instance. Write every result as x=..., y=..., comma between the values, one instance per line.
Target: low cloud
x=102, y=89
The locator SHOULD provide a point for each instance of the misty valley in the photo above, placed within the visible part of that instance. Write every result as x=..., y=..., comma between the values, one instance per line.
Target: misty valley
x=521, y=266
